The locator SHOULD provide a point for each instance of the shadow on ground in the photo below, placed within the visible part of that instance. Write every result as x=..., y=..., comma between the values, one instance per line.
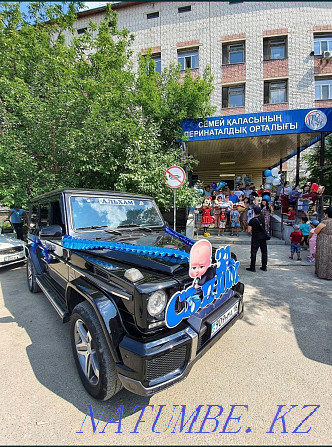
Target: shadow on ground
x=50, y=352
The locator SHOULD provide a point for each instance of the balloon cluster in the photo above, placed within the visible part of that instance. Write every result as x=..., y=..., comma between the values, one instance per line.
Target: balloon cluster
x=219, y=186
x=272, y=178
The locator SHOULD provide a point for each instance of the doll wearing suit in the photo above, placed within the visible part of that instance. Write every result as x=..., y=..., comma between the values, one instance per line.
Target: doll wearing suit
x=200, y=267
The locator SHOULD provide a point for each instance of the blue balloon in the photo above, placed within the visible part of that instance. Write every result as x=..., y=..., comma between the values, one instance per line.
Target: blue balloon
x=200, y=191
x=267, y=173
x=191, y=208
x=266, y=197
x=221, y=185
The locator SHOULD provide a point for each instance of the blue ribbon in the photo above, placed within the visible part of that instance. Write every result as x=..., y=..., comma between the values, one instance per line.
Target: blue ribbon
x=36, y=242
x=158, y=252
x=179, y=236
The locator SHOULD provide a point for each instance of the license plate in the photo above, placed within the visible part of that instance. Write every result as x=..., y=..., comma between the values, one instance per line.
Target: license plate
x=12, y=258
x=221, y=321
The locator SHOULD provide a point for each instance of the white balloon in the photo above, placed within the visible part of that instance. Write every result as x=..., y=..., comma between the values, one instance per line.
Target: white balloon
x=267, y=186
x=269, y=179
x=276, y=182
x=274, y=172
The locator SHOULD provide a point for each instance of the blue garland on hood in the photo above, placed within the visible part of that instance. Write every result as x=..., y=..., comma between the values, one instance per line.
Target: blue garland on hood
x=159, y=252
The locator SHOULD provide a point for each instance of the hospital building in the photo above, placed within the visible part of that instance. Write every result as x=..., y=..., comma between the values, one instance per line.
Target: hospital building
x=272, y=69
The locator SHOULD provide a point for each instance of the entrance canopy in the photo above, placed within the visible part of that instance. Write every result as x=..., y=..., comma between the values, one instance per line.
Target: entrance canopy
x=228, y=146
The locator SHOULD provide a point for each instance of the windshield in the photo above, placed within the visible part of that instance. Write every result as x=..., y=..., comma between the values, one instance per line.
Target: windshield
x=113, y=212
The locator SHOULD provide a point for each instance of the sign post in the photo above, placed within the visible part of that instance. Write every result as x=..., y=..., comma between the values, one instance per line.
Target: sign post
x=174, y=178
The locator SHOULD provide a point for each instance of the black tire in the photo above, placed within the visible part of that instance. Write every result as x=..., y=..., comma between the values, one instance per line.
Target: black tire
x=95, y=364
x=31, y=277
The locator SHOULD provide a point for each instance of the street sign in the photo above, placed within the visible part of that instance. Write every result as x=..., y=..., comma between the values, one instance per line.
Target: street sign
x=175, y=177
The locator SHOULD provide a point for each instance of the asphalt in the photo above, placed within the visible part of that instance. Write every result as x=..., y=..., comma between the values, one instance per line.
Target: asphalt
x=279, y=354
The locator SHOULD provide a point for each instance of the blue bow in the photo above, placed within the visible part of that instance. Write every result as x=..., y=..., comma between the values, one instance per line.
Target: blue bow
x=36, y=242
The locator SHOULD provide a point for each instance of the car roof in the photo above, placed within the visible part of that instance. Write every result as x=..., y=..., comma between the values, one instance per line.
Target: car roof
x=68, y=191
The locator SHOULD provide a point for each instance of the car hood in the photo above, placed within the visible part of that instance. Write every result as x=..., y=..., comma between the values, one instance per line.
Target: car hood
x=110, y=258
x=9, y=242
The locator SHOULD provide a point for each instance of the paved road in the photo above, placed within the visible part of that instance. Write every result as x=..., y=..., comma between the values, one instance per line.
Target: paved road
x=279, y=354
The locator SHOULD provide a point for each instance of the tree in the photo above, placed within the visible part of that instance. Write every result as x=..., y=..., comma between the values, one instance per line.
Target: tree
x=313, y=162
x=73, y=113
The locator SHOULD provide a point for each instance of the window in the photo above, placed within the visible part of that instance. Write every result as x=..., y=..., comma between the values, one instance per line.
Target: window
x=43, y=215
x=188, y=59
x=322, y=43
x=81, y=30
x=233, y=53
x=323, y=88
x=184, y=9
x=275, y=92
x=233, y=96
x=157, y=59
x=152, y=15
x=275, y=48
x=33, y=218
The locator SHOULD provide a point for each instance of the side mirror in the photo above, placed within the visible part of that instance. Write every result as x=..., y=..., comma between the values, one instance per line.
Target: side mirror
x=50, y=231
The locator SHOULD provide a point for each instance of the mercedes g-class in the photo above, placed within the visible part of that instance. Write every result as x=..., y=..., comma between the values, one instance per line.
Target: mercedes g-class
x=144, y=301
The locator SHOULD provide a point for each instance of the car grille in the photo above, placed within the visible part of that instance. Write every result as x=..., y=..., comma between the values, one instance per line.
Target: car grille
x=203, y=340
x=166, y=363
x=9, y=251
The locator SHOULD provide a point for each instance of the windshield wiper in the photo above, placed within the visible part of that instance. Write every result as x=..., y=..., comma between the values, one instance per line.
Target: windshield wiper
x=92, y=227
x=109, y=230
x=135, y=226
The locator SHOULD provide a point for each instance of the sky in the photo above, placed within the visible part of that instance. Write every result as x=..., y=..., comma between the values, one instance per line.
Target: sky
x=89, y=5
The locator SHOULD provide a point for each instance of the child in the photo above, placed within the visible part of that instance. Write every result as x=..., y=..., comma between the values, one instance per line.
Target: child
x=235, y=220
x=296, y=237
x=303, y=203
x=290, y=215
x=305, y=230
x=312, y=240
x=250, y=215
x=227, y=205
x=222, y=222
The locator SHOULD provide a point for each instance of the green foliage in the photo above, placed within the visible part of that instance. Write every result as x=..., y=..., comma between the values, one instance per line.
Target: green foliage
x=73, y=113
x=314, y=169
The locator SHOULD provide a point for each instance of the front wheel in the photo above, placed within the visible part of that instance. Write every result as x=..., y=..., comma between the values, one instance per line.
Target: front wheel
x=93, y=359
x=31, y=277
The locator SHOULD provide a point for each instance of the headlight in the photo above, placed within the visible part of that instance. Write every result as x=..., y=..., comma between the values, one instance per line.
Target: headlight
x=156, y=303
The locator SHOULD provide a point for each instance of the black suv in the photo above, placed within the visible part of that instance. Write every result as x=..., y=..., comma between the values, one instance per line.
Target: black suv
x=139, y=317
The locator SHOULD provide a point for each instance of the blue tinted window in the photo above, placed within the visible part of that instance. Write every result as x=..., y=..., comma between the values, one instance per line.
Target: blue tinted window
x=188, y=60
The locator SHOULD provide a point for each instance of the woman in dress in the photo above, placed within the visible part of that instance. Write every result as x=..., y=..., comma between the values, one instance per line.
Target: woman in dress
x=266, y=212
x=324, y=246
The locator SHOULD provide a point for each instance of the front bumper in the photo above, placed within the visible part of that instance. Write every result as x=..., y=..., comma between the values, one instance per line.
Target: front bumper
x=10, y=259
x=153, y=366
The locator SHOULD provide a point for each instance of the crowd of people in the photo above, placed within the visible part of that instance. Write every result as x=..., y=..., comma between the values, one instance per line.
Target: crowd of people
x=247, y=209
x=298, y=199
x=232, y=209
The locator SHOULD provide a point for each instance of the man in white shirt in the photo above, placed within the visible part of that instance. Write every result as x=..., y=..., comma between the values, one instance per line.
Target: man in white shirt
x=237, y=191
x=247, y=191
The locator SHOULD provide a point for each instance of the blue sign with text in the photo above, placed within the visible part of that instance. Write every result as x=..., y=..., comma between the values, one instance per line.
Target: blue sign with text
x=259, y=124
x=211, y=279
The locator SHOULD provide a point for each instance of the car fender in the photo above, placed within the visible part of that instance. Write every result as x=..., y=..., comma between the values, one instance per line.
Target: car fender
x=105, y=309
x=34, y=258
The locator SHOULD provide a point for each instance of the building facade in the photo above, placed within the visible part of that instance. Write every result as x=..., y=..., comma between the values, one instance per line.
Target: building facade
x=264, y=56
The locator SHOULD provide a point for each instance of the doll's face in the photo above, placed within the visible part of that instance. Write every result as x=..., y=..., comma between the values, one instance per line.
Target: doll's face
x=200, y=259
